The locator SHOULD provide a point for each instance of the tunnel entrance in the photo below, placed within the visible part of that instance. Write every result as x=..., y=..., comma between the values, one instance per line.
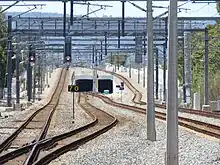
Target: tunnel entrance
x=85, y=84
x=105, y=84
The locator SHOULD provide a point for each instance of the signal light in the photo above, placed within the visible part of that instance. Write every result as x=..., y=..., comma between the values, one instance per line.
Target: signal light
x=67, y=58
x=31, y=54
x=31, y=58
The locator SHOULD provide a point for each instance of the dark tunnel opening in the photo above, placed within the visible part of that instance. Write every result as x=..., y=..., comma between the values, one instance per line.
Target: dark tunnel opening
x=105, y=84
x=85, y=84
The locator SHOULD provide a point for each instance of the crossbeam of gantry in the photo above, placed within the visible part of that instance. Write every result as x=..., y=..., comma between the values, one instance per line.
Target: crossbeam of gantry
x=93, y=30
x=100, y=26
x=108, y=0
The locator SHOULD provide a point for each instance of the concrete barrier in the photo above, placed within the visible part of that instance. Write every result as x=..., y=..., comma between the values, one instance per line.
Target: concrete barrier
x=196, y=101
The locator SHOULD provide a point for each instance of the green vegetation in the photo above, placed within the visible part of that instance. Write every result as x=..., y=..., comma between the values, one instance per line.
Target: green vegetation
x=114, y=59
x=198, y=62
x=3, y=31
x=218, y=6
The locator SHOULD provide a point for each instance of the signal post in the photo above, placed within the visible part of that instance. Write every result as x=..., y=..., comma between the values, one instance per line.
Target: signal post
x=73, y=88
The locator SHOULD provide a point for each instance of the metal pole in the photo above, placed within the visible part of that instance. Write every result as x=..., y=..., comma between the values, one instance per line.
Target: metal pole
x=34, y=83
x=164, y=73
x=121, y=95
x=29, y=78
x=111, y=59
x=151, y=132
x=123, y=18
x=119, y=42
x=41, y=81
x=9, y=61
x=64, y=18
x=138, y=74
x=47, y=78
x=115, y=66
x=118, y=61
x=93, y=54
x=71, y=12
x=206, y=70
x=172, y=107
x=119, y=34
x=101, y=51
x=95, y=73
x=187, y=61
x=165, y=61
x=73, y=97
x=130, y=70
x=157, y=73
x=183, y=73
x=73, y=107
x=144, y=62
x=96, y=58
x=17, y=76
x=39, y=75
x=105, y=44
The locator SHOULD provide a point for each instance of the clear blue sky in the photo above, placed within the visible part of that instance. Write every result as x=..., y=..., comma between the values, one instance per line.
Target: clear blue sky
x=197, y=10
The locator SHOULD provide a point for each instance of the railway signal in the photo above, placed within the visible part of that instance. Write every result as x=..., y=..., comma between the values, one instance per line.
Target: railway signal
x=121, y=88
x=67, y=50
x=68, y=59
x=32, y=56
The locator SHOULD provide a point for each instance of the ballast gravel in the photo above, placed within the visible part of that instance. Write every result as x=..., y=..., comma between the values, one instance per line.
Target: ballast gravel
x=127, y=144
x=62, y=120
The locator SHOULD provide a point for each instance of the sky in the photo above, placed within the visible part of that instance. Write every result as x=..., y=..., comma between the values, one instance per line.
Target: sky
x=193, y=9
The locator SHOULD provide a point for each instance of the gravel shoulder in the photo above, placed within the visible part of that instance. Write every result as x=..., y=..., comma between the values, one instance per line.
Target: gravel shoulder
x=127, y=144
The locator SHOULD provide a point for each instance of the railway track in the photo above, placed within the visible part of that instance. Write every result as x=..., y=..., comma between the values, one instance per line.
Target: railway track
x=55, y=146
x=198, y=126
x=37, y=123
x=104, y=122
x=138, y=96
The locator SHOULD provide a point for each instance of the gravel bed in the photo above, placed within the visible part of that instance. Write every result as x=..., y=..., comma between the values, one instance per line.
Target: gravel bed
x=29, y=132
x=63, y=116
x=5, y=133
x=127, y=144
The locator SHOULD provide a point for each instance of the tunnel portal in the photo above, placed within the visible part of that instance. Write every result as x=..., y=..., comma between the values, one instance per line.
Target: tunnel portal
x=105, y=84
x=86, y=83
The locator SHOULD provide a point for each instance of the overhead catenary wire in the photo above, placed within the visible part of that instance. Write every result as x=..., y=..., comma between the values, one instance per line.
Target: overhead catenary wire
x=20, y=14
x=9, y=7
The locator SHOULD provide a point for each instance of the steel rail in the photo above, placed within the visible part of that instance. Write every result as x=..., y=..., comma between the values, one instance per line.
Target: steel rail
x=198, y=126
x=75, y=144
x=48, y=142
x=138, y=96
x=9, y=140
x=35, y=150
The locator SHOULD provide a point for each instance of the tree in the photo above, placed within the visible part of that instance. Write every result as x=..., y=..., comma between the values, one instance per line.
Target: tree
x=3, y=33
x=198, y=61
x=218, y=6
x=115, y=58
